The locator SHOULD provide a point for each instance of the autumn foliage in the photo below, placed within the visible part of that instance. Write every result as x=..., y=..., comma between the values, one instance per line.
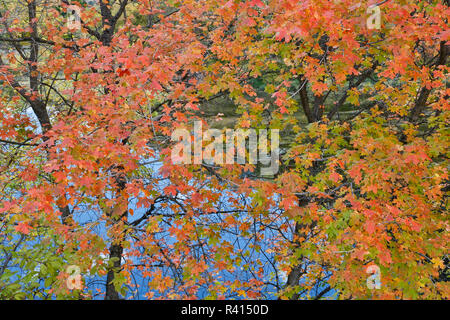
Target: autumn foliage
x=87, y=179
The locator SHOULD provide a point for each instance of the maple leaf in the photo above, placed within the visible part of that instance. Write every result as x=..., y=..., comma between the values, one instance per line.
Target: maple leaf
x=438, y=263
x=23, y=228
x=370, y=226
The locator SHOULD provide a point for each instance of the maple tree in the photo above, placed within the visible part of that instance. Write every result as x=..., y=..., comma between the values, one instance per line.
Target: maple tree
x=85, y=137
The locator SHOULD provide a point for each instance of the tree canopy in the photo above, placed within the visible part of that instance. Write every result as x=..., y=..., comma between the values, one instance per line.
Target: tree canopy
x=91, y=92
